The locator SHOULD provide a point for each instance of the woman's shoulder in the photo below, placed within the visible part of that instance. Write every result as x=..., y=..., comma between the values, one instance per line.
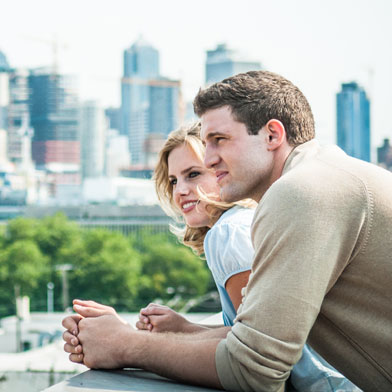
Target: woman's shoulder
x=237, y=216
x=232, y=228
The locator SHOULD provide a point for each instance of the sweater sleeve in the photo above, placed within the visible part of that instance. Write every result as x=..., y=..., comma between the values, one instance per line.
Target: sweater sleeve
x=304, y=237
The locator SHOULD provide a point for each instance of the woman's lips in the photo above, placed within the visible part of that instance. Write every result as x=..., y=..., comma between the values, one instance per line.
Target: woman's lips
x=188, y=205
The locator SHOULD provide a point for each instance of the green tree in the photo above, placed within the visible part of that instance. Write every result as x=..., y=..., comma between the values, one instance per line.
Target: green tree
x=21, y=264
x=168, y=268
x=106, y=269
x=21, y=229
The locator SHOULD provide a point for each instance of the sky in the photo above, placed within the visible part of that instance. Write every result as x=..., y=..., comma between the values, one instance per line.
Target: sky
x=316, y=44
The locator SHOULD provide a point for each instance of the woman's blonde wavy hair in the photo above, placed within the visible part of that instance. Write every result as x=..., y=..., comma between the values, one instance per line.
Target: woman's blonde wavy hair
x=190, y=236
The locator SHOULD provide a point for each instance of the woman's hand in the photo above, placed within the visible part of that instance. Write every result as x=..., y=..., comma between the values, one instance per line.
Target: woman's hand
x=160, y=318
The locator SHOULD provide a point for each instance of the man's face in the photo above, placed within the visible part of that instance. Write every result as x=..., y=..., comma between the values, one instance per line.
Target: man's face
x=242, y=162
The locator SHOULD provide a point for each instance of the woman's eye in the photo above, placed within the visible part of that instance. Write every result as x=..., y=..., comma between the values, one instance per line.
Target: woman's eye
x=194, y=174
x=173, y=181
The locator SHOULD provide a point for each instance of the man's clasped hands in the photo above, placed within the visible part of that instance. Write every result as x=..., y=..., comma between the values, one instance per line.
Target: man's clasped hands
x=99, y=338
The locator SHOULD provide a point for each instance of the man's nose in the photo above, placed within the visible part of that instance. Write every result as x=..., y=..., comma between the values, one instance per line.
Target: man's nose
x=210, y=158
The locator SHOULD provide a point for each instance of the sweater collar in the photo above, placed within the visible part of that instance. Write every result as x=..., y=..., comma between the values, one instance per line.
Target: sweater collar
x=300, y=153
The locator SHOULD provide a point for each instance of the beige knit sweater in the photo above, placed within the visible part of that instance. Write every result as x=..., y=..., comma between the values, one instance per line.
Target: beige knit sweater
x=322, y=273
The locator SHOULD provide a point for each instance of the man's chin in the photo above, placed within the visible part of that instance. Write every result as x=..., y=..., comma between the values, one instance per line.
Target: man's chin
x=227, y=195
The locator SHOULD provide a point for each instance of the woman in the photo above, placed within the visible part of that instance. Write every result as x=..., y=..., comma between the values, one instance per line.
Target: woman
x=188, y=192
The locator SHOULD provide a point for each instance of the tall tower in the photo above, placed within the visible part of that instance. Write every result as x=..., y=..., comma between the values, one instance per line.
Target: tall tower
x=18, y=115
x=353, y=121
x=384, y=155
x=54, y=116
x=4, y=91
x=223, y=62
x=141, y=60
x=14, y=108
x=149, y=103
x=93, y=125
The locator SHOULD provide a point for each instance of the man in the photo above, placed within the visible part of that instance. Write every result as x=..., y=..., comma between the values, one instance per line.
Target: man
x=322, y=271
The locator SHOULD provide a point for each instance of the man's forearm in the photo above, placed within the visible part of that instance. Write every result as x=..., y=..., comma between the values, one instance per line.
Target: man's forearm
x=209, y=332
x=176, y=356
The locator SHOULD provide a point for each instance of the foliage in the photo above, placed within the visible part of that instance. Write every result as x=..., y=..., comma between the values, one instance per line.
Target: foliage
x=125, y=272
x=106, y=269
x=170, y=269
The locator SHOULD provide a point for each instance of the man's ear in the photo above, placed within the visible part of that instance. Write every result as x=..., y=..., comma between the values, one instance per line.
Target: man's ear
x=276, y=134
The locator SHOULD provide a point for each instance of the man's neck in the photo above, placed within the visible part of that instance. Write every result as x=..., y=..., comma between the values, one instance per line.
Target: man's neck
x=280, y=158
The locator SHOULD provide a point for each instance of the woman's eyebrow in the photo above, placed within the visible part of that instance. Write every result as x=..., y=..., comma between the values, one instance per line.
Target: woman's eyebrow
x=187, y=170
x=190, y=169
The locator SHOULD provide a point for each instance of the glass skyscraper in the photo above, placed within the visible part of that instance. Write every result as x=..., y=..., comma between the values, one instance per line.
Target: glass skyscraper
x=54, y=116
x=4, y=66
x=353, y=121
x=223, y=62
x=141, y=60
x=149, y=103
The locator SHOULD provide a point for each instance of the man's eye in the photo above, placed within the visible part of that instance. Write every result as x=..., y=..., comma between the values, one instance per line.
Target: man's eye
x=194, y=174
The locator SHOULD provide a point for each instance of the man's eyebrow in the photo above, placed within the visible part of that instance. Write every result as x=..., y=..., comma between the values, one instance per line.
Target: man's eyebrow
x=213, y=134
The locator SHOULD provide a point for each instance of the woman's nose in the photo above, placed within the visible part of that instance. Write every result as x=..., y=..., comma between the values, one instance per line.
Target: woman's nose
x=181, y=189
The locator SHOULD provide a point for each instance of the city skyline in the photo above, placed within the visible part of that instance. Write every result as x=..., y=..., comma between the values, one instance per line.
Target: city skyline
x=317, y=46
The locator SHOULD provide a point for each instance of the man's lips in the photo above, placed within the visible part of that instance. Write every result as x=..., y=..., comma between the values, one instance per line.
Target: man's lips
x=220, y=175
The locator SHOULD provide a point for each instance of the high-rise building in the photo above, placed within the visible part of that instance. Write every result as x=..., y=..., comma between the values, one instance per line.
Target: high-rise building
x=4, y=99
x=141, y=60
x=353, y=121
x=3, y=147
x=93, y=126
x=223, y=62
x=150, y=103
x=54, y=116
x=117, y=154
x=4, y=90
x=114, y=118
x=18, y=115
x=14, y=108
x=4, y=66
x=384, y=155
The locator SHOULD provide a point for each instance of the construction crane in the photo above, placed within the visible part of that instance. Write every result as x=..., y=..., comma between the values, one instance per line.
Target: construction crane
x=54, y=44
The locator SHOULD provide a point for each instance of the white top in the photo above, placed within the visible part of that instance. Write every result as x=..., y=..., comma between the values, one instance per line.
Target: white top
x=229, y=251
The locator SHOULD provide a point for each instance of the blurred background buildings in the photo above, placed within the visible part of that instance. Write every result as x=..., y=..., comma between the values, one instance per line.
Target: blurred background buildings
x=223, y=62
x=56, y=150
x=151, y=104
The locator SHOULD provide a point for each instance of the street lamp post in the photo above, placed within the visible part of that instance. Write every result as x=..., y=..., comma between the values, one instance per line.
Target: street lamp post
x=63, y=268
x=50, y=305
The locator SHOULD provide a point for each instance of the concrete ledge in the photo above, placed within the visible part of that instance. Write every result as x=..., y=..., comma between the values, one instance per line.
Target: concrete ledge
x=134, y=380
